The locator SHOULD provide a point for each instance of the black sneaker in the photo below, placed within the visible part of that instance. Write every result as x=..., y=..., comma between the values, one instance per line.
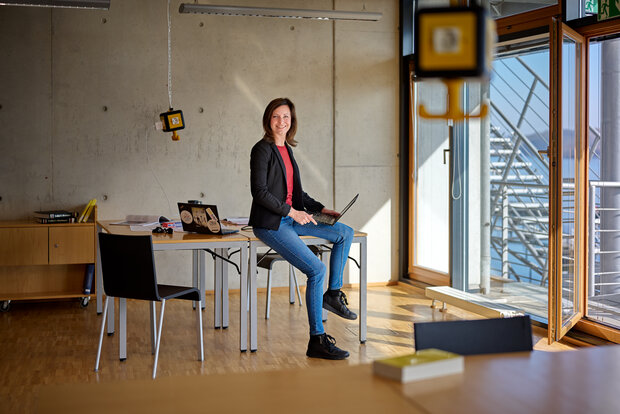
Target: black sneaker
x=336, y=301
x=324, y=346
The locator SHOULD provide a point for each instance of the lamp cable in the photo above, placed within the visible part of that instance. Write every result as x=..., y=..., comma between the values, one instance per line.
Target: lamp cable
x=169, y=60
x=456, y=173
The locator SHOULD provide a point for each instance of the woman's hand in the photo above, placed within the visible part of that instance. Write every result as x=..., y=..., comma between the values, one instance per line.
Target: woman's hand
x=301, y=217
x=330, y=212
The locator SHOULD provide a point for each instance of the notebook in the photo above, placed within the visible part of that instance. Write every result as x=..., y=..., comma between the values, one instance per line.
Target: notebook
x=202, y=218
x=329, y=219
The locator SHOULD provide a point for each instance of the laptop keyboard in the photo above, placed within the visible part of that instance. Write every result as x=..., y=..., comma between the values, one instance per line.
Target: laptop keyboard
x=324, y=218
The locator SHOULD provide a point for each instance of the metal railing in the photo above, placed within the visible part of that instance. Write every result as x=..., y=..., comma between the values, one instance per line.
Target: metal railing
x=519, y=183
x=519, y=174
x=596, y=229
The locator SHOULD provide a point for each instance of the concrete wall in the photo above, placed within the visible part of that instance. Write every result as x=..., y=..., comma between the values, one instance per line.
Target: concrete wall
x=81, y=91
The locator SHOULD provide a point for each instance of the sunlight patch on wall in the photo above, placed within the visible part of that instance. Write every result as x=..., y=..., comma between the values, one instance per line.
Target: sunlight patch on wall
x=379, y=247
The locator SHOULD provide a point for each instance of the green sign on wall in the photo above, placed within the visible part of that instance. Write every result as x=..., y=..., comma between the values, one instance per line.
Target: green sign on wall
x=592, y=6
x=608, y=9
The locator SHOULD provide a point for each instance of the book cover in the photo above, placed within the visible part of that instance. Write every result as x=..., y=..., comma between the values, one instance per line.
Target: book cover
x=86, y=207
x=89, y=275
x=55, y=220
x=89, y=210
x=427, y=363
x=52, y=214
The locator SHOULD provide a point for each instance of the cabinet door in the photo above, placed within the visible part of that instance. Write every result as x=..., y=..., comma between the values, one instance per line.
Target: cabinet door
x=71, y=245
x=23, y=246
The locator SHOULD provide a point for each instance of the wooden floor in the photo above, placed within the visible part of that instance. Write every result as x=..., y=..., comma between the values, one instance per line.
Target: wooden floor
x=56, y=342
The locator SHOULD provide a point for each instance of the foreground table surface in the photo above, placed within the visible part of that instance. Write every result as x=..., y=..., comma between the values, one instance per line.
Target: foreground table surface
x=583, y=381
x=297, y=391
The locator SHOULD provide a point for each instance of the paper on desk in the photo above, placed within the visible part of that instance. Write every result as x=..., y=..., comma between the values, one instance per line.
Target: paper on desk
x=138, y=220
x=242, y=221
x=143, y=227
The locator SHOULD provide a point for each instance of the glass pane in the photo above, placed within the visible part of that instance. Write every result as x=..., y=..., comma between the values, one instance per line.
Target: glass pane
x=431, y=181
x=570, y=133
x=604, y=179
x=519, y=179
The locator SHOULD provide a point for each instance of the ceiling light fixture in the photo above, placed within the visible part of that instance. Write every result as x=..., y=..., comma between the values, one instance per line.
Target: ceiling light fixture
x=73, y=4
x=278, y=12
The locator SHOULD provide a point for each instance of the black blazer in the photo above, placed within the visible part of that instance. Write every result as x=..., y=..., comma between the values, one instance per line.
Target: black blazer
x=268, y=186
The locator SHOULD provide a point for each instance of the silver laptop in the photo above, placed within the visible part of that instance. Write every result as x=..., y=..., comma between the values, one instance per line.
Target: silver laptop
x=329, y=219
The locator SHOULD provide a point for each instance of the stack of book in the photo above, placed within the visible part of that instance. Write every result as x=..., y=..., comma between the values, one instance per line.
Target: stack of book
x=54, y=216
x=426, y=363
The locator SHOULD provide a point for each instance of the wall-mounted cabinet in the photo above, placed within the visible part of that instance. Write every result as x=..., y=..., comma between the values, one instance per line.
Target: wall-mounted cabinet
x=44, y=261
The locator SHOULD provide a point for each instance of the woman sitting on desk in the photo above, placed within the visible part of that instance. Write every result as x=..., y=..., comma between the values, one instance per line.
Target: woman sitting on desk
x=279, y=217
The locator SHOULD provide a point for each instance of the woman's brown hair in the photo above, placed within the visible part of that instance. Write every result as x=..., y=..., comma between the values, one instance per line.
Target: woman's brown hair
x=290, y=135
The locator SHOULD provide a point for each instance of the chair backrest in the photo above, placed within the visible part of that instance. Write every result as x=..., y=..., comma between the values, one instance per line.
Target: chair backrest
x=471, y=337
x=128, y=267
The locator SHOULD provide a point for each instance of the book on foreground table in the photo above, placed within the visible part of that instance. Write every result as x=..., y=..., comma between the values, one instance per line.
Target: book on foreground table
x=427, y=363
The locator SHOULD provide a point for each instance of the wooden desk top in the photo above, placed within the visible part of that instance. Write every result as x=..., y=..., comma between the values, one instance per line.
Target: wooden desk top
x=176, y=237
x=582, y=381
x=273, y=392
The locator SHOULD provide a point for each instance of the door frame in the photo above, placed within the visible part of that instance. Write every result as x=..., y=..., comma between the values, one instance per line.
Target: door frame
x=557, y=329
x=588, y=326
x=414, y=271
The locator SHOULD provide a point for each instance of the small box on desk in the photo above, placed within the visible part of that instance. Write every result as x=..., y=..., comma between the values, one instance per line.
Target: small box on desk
x=427, y=363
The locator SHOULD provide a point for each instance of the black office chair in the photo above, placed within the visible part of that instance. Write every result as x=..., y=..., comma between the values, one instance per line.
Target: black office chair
x=472, y=337
x=128, y=269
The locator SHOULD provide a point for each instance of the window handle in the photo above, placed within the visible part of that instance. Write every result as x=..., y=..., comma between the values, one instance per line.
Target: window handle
x=545, y=152
x=444, y=154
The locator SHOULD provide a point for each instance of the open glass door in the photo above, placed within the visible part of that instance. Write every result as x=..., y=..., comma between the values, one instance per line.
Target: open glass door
x=566, y=241
x=518, y=190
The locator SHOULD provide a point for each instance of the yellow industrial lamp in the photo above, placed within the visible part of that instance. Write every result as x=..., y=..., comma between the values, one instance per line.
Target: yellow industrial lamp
x=172, y=121
x=453, y=43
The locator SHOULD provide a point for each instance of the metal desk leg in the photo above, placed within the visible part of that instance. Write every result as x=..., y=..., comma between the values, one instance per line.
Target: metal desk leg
x=153, y=325
x=253, y=307
x=243, y=310
x=202, y=264
x=98, y=277
x=224, y=271
x=111, y=318
x=291, y=284
x=325, y=282
x=122, y=328
x=217, y=281
x=195, y=278
x=363, y=289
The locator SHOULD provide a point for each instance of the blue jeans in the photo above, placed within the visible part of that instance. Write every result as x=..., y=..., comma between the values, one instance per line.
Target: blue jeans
x=287, y=243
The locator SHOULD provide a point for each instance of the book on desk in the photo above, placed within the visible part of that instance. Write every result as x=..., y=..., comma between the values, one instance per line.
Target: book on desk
x=426, y=363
